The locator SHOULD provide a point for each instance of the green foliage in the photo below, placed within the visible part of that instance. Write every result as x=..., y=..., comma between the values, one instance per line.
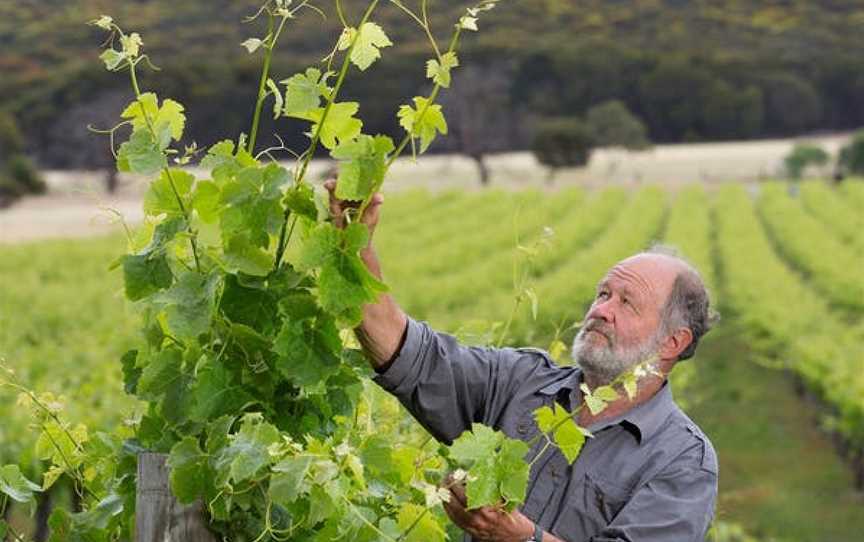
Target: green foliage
x=611, y=124
x=803, y=155
x=562, y=142
x=851, y=157
x=18, y=176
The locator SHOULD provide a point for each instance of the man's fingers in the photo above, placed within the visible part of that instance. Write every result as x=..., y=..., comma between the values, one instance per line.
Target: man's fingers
x=458, y=491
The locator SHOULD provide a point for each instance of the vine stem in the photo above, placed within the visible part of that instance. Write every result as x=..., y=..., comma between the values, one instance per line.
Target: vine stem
x=316, y=137
x=366, y=521
x=410, y=136
x=166, y=169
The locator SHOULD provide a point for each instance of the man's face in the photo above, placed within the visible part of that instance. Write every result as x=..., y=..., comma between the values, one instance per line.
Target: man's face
x=622, y=326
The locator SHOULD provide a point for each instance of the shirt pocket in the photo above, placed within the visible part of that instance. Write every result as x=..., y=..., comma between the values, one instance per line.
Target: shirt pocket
x=590, y=507
x=604, y=496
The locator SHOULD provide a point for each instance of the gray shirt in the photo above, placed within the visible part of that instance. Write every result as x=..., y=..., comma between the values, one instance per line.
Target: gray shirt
x=649, y=475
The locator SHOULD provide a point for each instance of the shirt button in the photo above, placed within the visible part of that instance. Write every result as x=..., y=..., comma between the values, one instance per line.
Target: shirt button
x=522, y=428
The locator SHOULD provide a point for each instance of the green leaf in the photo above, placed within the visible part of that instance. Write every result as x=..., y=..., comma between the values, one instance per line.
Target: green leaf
x=607, y=393
x=16, y=485
x=368, y=44
x=248, y=451
x=163, y=234
x=344, y=283
x=206, y=201
x=340, y=125
x=630, y=385
x=277, y=97
x=217, y=393
x=112, y=58
x=254, y=307
x=424, y=120
x=303, y=91
x=252, y=44
x=427, y=529
x=475, y=445
x=188, y=465
x=131, y=372
x=483, y=490
x=162, y=369
x=161, y=196
x=513, y=471
x=242, y=256
x=301, y=201
x=308, y=350
x=362, y=167
x=141, y=154
x=189, y=304
x=594, y=403
x=287, y=482
x=145, y=275
x=146, y=111
x=439, y=72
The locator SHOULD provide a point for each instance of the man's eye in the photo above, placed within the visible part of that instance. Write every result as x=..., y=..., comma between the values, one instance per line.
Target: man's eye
x=625, y=301
x=602, y=294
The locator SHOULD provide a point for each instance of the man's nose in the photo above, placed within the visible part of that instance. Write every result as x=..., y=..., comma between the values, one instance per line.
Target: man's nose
x=601, y=311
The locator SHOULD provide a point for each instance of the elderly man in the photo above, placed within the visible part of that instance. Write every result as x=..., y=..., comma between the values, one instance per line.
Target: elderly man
x=648, y=474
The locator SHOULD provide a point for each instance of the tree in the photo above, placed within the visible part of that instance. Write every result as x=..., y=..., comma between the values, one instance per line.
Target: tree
x=851, y=158
x=802, y=156
x=562, y=142
x=478, y=111
x=611, y=124
x=18, y=176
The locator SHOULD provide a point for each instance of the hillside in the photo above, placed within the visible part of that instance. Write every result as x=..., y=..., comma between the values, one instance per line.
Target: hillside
x=796, y=59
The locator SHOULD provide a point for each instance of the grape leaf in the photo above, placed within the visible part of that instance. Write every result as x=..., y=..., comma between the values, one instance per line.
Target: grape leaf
x=141, y=154
x=189, y=304
x=242, y=256
x=146, y=111
x=427, y=126
x=439, y=72
x=288, y=481
x=162, y=369
x=368, y=44
x=161, y=197
x=362, y=166
x=216, y=393
x=475, y=445
x=188, y=465
x=303, y=91
x=513, y=471
x=145, y=275
x=206, y=201
x=308, y=350
x=340, y=125
x=426, y=528
x=16, y=485
x=131, y=372
x=247, y=452
x=344, y=283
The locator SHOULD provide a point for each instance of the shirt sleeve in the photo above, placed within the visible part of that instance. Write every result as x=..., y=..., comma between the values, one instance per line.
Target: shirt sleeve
x=447, y=386
x=678, y=504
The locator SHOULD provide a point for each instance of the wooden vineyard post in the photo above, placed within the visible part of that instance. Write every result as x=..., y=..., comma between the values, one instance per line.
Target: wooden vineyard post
x=158, y=515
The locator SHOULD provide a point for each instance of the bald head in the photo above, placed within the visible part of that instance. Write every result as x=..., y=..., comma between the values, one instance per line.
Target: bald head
x=684, y=300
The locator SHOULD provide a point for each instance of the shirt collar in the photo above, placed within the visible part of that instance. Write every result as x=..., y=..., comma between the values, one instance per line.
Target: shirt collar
x=645, y=419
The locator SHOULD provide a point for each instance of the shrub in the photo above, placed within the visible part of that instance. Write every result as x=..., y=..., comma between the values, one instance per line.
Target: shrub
x=562, y=142
x=613, y=125
x=802, y=156
x=851, y=159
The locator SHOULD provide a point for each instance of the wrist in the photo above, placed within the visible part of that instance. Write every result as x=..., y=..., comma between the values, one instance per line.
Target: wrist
x=536, y=534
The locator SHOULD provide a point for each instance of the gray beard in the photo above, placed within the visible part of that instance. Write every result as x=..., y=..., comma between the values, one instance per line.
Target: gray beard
x=602, y=363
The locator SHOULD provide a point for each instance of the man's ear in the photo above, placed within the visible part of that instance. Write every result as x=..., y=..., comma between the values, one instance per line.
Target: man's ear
x=675, y=343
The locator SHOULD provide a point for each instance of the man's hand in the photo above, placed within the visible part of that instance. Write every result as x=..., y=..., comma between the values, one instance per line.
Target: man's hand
x=339, y=207
x=486, y=523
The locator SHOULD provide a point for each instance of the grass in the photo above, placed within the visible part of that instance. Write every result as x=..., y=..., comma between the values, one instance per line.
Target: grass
x=779, y=475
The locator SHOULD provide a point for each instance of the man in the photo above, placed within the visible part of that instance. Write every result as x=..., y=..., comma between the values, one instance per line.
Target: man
x=647, y=475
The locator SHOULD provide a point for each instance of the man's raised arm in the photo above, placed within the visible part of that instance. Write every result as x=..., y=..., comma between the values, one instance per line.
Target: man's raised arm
x=384, y=324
